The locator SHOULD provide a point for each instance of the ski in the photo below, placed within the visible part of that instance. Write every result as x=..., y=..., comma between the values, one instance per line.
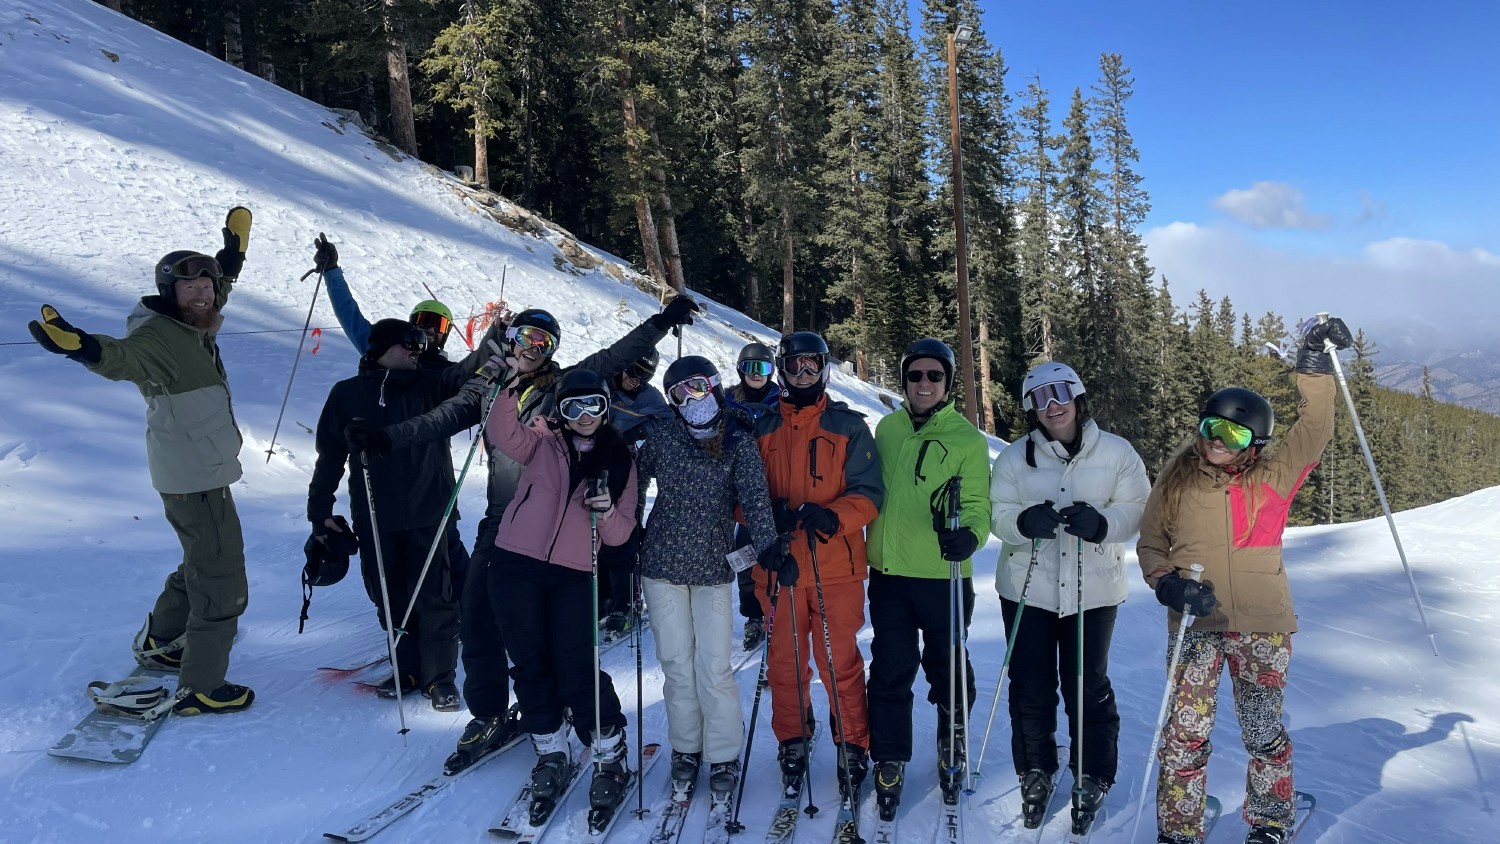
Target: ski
x=674, y=815
x=598, y=825
x=784, y=821
x=846, y=823
x=1303, y=804
x=365, y=828
x=1212, y=809
x=950, y=828
x=117, y=739
x=884, y=831
x=356, y=666
x=720, y=810
x=515, y=823
x=1041, y=827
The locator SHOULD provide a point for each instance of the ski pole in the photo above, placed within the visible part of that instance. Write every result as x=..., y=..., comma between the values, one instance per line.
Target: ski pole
x=1195, y=572
x=594, y=620
x=773, y=589
x=298, y=359
x=847, y=798
x=640, y=693
x=1010, y=648
x=802, y=708
x=958, y=658
x=1385, y=505
x=385, y=592
x=1078, y=775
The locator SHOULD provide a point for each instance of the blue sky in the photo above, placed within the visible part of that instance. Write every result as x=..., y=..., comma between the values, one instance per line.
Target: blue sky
x=1363, y=138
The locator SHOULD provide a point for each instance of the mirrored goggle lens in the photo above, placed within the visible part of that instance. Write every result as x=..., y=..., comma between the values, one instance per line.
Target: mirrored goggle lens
x=762, y=368
x=693, y=388
x=531, y=337
x=577, y=407
x=803, y=364
x=1231, y=434
x=196, y=266
x=429, y=321
x=1060, y=392
x=414, y=340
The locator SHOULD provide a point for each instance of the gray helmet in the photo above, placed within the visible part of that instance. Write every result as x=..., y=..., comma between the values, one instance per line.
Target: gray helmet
x=182, y=265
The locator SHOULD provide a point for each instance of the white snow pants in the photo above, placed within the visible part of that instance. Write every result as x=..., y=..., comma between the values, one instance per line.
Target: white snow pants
x=694, y=632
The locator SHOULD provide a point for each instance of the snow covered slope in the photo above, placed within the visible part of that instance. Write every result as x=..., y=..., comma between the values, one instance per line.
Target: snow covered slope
x=118, y=144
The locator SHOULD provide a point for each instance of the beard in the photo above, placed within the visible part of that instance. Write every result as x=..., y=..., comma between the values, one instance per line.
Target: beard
x=203, y=321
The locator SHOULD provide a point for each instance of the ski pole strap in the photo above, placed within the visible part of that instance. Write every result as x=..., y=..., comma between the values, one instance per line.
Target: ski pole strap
x=126, y=699
x=306, y=603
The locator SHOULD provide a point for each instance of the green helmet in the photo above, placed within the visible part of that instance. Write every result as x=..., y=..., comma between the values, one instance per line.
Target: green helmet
x=432, y=315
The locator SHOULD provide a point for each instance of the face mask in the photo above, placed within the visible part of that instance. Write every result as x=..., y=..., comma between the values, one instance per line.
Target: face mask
x=699, y=413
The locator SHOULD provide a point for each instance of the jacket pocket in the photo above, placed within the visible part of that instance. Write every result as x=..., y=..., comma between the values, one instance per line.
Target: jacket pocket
x=1260, y=586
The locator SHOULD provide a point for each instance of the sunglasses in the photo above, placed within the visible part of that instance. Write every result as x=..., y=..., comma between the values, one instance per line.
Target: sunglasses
x=638, y=373
x=414, y=340
x=803, y=365
x=761, y=368
x=1044, y=396
x=692, y=388
x=936, y=376
x=531, y=337
x=574, y=408
x=1231, y=434
x=429, y=321
x=195, y=266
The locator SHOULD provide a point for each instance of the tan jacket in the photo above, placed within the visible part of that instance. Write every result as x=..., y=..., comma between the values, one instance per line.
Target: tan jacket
x=1241, y=557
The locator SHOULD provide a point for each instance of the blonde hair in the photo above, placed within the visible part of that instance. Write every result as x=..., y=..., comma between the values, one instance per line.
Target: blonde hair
x=1183, y=466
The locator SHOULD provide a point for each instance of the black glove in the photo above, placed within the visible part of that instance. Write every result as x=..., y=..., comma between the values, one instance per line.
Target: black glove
x=781, y=513
x=1039, y=521
x=327, y=256
x=1186, y=596
x=772, y=556
x=58, y=337
x=957, y=545
x=236, y=239
x=362, y=436
x=1312, y=357
x=1084, y=522
x=818, y=520
x=340, y=539
x=678, y=312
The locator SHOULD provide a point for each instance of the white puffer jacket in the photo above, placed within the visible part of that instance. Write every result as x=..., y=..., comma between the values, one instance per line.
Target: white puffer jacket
x=1106, y=473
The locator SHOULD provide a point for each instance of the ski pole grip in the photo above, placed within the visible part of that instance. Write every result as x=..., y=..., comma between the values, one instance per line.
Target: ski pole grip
x=1195, y=573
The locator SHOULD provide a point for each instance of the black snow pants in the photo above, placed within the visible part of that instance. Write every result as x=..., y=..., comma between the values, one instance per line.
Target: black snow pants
x=900, y=608
x=486, y=671
x=1046, y=655
x=429, y=649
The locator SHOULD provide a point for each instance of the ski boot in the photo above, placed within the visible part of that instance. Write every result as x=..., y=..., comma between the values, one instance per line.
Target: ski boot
x=722, y=778
x=685, y=773
x=444, y=696
x=852, y=779
x=550, y=776
x=387, y=687
x=1266, y=834
x=755, y=633
x=791, y=755
x=952, y=764
x=226, y=698
x=889, y=777
x=1087, y=798
x=153, y=654
x=1036, y=793
x=611, y=778
x=481, y=736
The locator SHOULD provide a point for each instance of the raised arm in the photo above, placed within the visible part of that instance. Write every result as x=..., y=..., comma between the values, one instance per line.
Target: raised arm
x=514, y=438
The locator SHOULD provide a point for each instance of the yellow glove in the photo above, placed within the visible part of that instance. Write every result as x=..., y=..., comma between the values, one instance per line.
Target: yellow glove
x=55, y=335
x=236, y=240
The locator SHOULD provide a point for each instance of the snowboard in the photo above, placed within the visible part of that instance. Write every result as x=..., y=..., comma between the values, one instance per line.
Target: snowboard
x=115, y=739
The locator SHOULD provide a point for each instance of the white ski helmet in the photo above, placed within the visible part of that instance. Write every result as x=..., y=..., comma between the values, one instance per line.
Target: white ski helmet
x=1049, y=372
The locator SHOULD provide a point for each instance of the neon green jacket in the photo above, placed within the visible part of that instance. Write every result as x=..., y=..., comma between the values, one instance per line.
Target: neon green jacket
x=914, y=464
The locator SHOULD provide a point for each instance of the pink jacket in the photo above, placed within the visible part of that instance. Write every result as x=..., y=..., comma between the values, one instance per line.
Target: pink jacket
x=544, y=520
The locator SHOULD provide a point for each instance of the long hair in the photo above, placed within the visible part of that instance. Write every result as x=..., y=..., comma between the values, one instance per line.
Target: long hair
x=1183, y=467
x=714, y=445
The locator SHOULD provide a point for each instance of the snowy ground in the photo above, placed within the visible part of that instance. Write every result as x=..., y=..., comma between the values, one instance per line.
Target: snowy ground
x=105, y=165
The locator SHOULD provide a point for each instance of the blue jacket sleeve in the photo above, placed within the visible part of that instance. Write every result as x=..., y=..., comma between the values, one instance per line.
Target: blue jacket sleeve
x=355, y=326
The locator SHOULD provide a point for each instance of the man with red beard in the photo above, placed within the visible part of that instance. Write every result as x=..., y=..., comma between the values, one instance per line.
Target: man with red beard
x=171, y=353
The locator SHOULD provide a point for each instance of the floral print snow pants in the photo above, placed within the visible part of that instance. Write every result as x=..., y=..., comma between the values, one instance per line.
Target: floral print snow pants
x=1257, y=667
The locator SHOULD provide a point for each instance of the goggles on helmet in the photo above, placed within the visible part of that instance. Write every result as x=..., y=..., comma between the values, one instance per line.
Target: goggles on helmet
x=692, y=388
x=1231, y=434
x=574, y=408
x=761, y=368
x=1060, y=392
x=195, y=266
x=803, y=364
x=532, y=337
x=432, y=321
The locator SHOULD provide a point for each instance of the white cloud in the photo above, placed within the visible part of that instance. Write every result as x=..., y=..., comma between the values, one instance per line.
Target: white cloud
x=1271, y=205
x=1408, y=289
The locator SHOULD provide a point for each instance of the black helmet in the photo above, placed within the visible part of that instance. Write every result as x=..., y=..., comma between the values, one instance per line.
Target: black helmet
x=756, y=351
x=538, y=318
x=581, y=382
x=686, y=367
x=328, y=561
x=645, y=367
x=1246, y=407
x=801, y=343
x=930, y=347
x=184, y=264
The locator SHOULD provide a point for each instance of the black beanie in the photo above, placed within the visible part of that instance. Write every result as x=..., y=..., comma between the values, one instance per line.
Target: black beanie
x=384, y=335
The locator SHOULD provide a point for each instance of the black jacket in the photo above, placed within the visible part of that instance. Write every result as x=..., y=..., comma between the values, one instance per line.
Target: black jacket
x=538, y=397
x=412, y=485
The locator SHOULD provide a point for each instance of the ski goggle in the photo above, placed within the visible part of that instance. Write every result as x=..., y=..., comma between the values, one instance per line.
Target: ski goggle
x=532, y=337
x=574, y=408
x=692, y=388
x=1231, y=434
x=803, y=364
x=195, y=266
x=430, y=321
x=759, y=368
x=1060, y=392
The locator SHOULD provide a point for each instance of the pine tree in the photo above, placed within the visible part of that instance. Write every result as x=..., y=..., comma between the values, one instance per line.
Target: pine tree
x=1044, y=300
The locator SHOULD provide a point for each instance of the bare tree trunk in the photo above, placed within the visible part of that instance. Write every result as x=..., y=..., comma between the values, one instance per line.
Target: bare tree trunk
x=403, y=121
x=668, y=225
x=986, y=415
x=788, y=292
x=481, y=152
x=113, y=5
x=861, y=355
x=747, y=231
x=234, y=44
x=644, y=221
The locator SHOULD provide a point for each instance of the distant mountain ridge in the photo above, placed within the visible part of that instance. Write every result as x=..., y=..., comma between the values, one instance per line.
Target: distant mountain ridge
x=1469, y=378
